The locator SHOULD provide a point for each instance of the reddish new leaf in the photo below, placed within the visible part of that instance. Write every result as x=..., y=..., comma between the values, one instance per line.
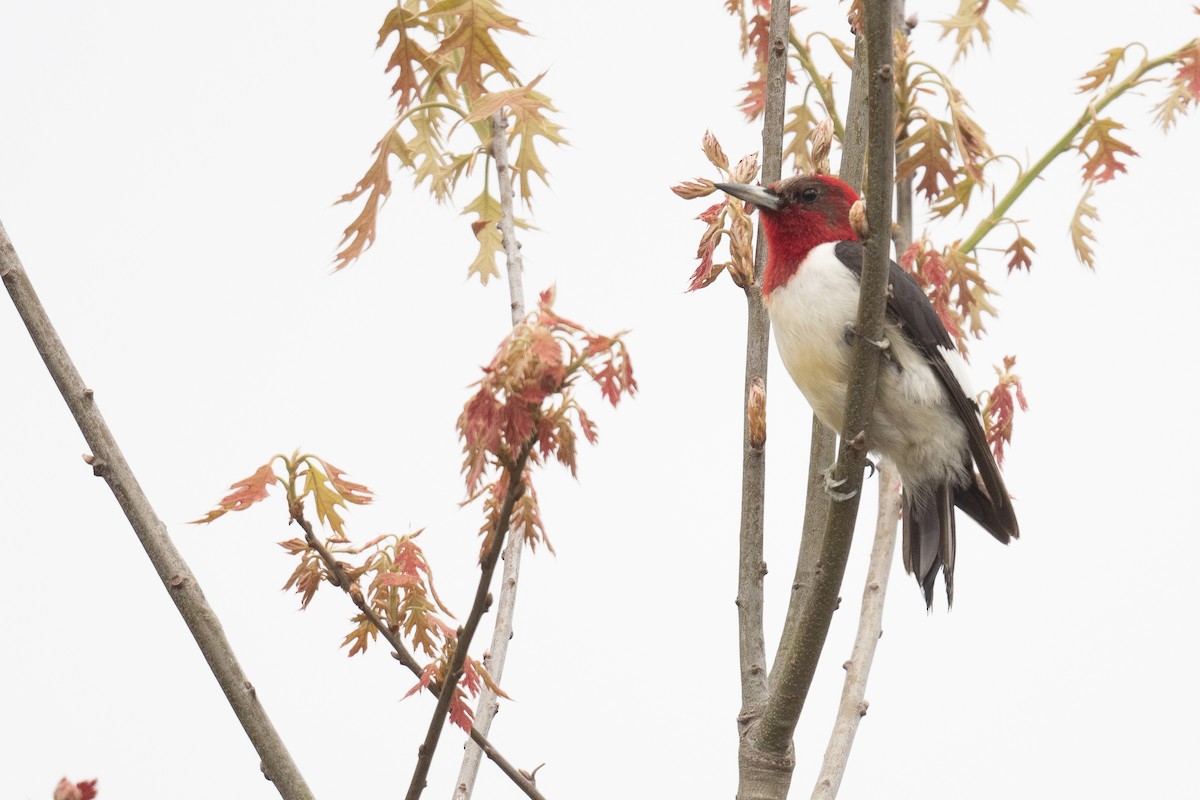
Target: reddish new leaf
x=1019, y=252
x=999, y=410
x=247, y=492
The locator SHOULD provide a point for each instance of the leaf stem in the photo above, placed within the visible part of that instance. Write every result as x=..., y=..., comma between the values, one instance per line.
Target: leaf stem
x=804, y=56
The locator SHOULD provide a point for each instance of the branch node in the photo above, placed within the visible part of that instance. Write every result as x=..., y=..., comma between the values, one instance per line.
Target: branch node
x=177, y=581
x=89, y=459
x=88, y=394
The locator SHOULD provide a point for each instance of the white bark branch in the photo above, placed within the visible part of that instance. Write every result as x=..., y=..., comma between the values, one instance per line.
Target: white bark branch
x=853, y=705
x=498, y=652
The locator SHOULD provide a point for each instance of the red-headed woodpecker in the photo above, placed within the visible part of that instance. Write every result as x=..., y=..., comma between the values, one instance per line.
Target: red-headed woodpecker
x=926, y=419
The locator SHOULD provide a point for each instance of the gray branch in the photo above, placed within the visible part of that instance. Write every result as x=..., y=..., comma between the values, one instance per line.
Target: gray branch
x=752, y=649
x=823, y=449
x=109, y=463
x=771, y=738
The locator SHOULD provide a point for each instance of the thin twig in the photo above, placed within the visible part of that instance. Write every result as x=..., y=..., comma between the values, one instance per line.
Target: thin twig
x=516, y=486
x=497, y=653
x=109, y=463
x=853, y=705
x=778, y=723
x=507, y=224
x=399, y=651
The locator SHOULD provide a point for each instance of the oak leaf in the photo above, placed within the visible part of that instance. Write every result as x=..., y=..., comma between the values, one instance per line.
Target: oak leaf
x=478, y=20
x=1104, y=72
x=1082, y=237
x=1102, y=163
x=246, y=493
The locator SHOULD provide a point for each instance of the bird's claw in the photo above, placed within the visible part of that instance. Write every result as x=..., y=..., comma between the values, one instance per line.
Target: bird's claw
x=831, y=486
x=871, y=465
x=849, y=333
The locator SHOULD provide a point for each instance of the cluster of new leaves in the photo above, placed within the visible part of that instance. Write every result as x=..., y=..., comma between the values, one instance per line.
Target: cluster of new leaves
x=954, y=285
x=474, y=678
x=68, y=790
x=802, y=118
x=526, y=405
x=969, y=23
x=999, y=409
x=447, y=59
x=400, y=596
x=305, y=477
x=949, y=153
x=729, y=218
x=1105, y=155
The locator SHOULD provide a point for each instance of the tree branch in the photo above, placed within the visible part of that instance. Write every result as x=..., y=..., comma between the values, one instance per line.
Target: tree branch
x=752, y=649
x=773, y=734
x=853, y=706
x=823, y=449
x=516, y=486
x=502, y=633
x=109, y=463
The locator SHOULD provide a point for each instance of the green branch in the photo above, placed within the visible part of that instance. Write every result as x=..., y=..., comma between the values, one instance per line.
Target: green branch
x=1063, y=145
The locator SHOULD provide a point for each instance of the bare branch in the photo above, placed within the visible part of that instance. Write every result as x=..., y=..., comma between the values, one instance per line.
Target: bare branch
x=502, y=633
x=853, y=705
x=109, y=463
x=751, y=568
x=773, y=735
x=512, y=247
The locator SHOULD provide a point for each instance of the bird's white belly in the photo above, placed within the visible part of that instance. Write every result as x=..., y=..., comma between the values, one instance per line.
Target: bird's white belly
x=913, y=424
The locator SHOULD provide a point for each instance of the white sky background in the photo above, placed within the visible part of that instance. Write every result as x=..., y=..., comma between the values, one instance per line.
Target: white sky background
x=167, y=174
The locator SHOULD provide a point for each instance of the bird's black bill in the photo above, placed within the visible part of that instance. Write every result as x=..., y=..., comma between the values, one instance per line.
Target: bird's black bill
x=758, y=196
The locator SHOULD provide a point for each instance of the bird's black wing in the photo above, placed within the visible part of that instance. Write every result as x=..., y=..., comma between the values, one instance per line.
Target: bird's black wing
x=907, y=306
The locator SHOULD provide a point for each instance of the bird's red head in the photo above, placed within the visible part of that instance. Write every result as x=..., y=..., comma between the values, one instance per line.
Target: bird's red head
x=812, y=210
x=798, y=214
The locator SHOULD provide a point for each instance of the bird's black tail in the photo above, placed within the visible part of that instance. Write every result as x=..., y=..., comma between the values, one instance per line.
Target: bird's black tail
x=929, y=540
x=929, y=533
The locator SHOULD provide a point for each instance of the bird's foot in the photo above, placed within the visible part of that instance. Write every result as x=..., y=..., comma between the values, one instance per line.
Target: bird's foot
x=848, y=334
x=831, y=486
x=884, y=346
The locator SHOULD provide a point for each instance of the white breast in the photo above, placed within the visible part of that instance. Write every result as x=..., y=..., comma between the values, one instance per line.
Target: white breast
x=914, y=424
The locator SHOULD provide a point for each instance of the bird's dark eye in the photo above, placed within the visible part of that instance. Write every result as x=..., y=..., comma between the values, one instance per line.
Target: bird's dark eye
x=809, y=195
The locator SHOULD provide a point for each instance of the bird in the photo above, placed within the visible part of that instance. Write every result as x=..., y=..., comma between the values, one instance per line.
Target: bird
x=926, y=420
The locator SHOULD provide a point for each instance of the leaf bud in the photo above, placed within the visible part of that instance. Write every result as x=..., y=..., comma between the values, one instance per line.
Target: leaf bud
x=858, y=220
x=822, y=143
x=713, y=151
x=756, y=414
x=745, y=170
